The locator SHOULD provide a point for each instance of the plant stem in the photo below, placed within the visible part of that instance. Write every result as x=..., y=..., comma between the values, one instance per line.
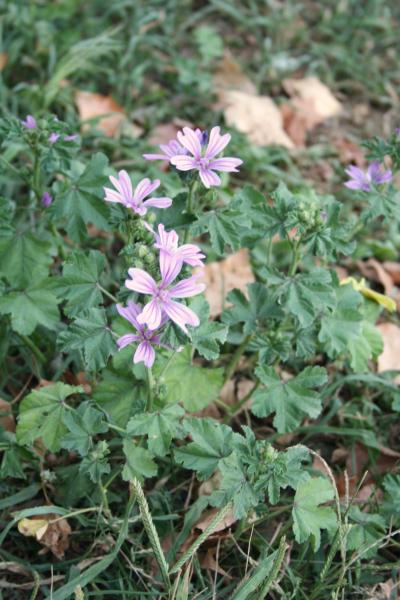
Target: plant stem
x=236, y=408
x=150, y=390
x=295, y=258
x=60, y=245
x=106, y=293
x=35, y=350
x=189, y=206
x=230, y=369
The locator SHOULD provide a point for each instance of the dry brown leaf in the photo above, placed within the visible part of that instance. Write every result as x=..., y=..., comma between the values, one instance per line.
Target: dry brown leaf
x=7, y=420
x=228, y=520
x=91, y=105
x=208, y=486
x=316, y=94
x=394, y=270
x=258, y=117
x=49, y=530
x=390, y=357
x=223, y=276
x=208, y=561
x=3, y=60
x=349, y=151
x=163, y=133
x=230, y=76
x=372, y=269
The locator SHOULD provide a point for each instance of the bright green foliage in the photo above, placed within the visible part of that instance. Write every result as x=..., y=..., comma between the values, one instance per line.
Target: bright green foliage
x=211, y=443
x=35, y=305
x=253, y=312
x=95, y=462
x=225, y=227
x=290, y=400
x=91, y=336
x=305, y=295
x=207, y=338
x=309, y=517
x=79, y=283
x=24, y=258
x=365, y=530
x=120, y=396
x=11, y=464
x=343, y=324
x=391, y=505
x=209, y=43
x=195, y=387
x=81, y=199
x=42, y=415
x=139, y=462
x=367, y=346
x=280, y=216
x=82, y=425
x=160, y=427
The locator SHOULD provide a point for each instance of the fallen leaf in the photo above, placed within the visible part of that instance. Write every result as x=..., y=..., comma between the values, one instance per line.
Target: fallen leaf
x=372, y=269
x=163, y=133
x=258, y=117
x=49, y=530
x=394, y=270
x=113, y=122
x=228, y=520
x=390, y=357
x=349, y=151
x=3, y=60
x=208, y=561
x=230, y=76
x=223, y=276
x=7, y=420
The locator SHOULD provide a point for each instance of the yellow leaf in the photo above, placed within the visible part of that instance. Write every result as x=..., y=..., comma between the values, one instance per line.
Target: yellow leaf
x=33, y=527
x=381, y=299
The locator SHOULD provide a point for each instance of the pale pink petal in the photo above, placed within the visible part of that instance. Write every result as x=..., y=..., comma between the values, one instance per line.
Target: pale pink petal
x=158, y=202
x=141, y=282
x=209, y=178
x=126, y=184
x=145, y=353
x=130, y=313
x=117, y=184
x=184, y=163
x=113, y=196
x=187, y=288
x=125, y=340
x=144, y=188
x=166, y=240
x=170, y=267
x=225, y=163
x=155, y=157
x=190, y=141
x=151, y=314
x=191, y=255
x=217, y=142
x=181, y=315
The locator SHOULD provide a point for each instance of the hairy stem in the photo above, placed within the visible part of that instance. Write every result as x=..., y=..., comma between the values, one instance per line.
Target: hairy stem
x=189, y=206
x=150, y=390
x=230, y=369
x=34, y=349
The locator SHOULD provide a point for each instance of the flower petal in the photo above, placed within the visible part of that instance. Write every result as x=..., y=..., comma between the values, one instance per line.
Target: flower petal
x=170, y=266
x=144, y=353
x=126, y=184
x=130, y=313
x=226, y=163
x=155, y=157
x=144, y=188
x=151, y=314
x=184, y=163
x=181, y=315
x=209, y=178
x=141, y=282
x=217, y=142
x=191, y=254
x=187, y=288
x=158, y=202
x=125, y=340
x=190, y=141
x=113, y=196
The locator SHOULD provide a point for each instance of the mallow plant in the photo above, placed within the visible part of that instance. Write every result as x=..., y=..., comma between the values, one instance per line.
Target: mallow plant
x=104, y=314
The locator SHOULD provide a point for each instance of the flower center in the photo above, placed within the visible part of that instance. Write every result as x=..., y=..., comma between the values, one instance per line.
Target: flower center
x=203, y=163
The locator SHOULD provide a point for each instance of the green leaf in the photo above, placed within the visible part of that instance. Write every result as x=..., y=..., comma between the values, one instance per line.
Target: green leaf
x=81, y=200
x=343, y=325
x=90, y=335
x=120, y=395
x=25, y=258
x=82, y=425
x=211, y=443
x=207, y=337
x=195, y=387
x=290, y=400
x=139, y=462
x=79, y=283
x=308, y=516
x=364, y=531
x=95, y=462
x=279, y=217
x=235, y=486
x=209, y=42
x=160, y=427
x=253, y=312
x=369, y=345
x=42, y=415
x=304, y=295
x=35, y=305
x=224, y=226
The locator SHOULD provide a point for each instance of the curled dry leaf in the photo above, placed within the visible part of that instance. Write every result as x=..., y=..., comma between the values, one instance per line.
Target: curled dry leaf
x=390, y=357
x=372, y=269
x=49, y=530
x=209, y=561
x=3, y=60
x=393, y=269
x=113, y=122
x=223, y=276
x=229, y=76
x=7, y=420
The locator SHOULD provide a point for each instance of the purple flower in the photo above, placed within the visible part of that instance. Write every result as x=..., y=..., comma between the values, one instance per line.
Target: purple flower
x=398, y=131
x=47, y=199
x=30, y=122
x=203, y=156
x=171, y=149
x=53, y=137
x=134, y=199
x=360, y=180
x=162, y=293
x=170, y=252
x=70, y=138
x=145, y=338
